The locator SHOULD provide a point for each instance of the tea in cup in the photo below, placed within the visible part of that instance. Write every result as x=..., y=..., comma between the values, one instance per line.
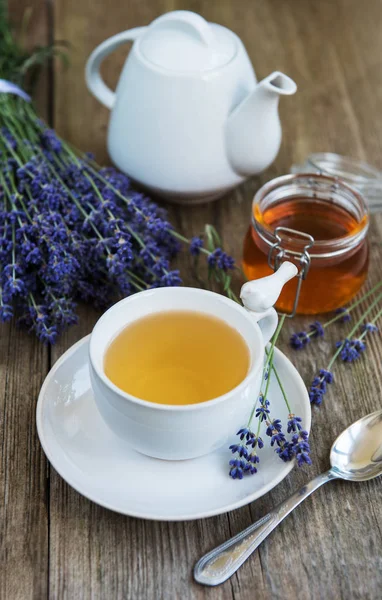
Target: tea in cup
x=175, y=370
x=177, y=357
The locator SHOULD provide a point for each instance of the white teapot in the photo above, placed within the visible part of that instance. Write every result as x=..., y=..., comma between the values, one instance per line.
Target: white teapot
x=188, y=119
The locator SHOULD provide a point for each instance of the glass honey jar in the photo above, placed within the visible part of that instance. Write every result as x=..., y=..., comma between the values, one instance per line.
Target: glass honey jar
x=319, y=223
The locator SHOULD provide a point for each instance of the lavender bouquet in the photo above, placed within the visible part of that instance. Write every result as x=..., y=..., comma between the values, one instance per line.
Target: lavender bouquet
x=70, y=230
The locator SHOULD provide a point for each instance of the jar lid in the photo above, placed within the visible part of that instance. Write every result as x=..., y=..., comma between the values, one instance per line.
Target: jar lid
x=360, y=175
x=183, y=41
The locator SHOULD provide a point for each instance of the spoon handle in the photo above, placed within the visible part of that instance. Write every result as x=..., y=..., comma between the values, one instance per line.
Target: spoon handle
x=222, y=562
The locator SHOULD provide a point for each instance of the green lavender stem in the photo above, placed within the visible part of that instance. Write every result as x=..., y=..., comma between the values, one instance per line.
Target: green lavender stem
x=223, y=278
x=350, y=308
x=282, y=389
x=268, y=363
x=273, y=342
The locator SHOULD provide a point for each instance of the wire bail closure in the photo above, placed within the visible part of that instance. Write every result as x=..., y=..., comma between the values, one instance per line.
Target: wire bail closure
x=277, y=254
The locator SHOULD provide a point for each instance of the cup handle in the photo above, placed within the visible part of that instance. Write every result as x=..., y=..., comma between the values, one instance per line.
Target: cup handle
x=267, y=322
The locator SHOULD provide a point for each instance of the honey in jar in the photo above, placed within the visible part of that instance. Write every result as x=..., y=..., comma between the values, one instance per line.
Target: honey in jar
x=320, y=224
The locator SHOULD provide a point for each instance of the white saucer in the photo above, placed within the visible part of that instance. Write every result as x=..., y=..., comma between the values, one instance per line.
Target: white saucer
x=105, y=469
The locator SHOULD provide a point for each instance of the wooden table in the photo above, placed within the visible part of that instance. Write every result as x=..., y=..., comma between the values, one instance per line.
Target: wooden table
x=54, y=542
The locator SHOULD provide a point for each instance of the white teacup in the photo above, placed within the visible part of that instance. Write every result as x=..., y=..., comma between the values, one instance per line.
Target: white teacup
x=176, y=432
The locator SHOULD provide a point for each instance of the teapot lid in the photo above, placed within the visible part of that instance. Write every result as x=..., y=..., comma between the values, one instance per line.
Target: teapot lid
x=183, y=41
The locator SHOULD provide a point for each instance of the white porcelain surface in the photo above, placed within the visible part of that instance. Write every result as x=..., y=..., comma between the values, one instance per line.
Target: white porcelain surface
x=260, y=294
x=168, y=431
x=188, y=119
x=105, y=469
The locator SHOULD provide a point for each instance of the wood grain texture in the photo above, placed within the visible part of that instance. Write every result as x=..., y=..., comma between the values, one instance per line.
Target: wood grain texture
x=31, y=22
x=24, y=363
x=330, y=547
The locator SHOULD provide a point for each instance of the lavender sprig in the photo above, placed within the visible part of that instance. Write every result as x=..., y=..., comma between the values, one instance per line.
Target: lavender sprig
x=220, y=264
x=296, y=447
x=301, y=339
x=348, y=350
x=352, y=349
x=344, y=315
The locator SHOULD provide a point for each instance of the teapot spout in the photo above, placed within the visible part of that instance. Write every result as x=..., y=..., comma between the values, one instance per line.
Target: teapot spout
x=253, y=132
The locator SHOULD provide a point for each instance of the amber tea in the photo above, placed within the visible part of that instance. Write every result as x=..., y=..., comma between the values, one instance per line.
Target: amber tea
x=177, y=357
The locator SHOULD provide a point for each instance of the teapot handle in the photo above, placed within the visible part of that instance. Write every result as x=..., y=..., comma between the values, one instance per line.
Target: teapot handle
x=94, y=80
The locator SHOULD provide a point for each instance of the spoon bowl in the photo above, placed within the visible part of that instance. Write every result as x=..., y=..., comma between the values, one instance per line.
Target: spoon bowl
x=356, y=455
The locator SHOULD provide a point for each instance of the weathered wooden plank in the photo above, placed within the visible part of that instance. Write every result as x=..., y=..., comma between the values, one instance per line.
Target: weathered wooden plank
x=24, y=491
x=329, y=548
x=24, y=497
x=303, y=549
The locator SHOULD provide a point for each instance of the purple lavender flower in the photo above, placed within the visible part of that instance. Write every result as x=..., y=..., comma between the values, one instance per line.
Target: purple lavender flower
x=326, y=376
x=237, y=468
x=316, y=329
x=274, y=425
x=316, y=395
x=250, y=468
x=62, y=311
x=299, y=340
x=351, y=349
x=294, y=423
x=278, y=438
x=246, y=433
x=285, y=451
x=48, y=335
x=161, y=267
x=13, y=286
x=8, y=138
x=239, y=449
x=219, y=258
x=319, y=386
x=369, y=327
x=253, y=458
x=243, y=432
x=246, y=460
x=300, y=448
x=262, y=411
x=149, y=252
x=195, y=246
x=6, y=312
x=346, y=316
x=255, y=441
x=172, y=278
x=274, y=431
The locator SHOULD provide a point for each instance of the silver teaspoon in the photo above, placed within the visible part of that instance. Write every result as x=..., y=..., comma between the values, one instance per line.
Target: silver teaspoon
x=356, y=455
